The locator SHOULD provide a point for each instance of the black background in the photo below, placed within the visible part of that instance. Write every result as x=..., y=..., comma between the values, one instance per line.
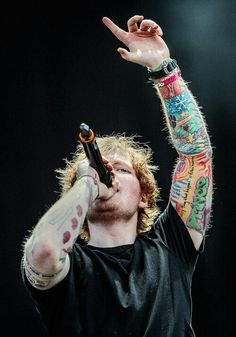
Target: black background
x=59, y=68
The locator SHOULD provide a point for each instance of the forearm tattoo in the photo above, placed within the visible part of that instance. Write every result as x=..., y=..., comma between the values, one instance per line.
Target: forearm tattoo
x=187, y=128
x=191, y=190
x=61, y=226
x=68, y=217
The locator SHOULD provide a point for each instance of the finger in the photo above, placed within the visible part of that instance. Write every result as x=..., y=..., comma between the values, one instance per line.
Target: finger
x=117, y=31
x=130, y=56
x=132, y=23
x=147, y=24
x=125, y=54
x=157, y=29
x=108, y=166
x=152, y=26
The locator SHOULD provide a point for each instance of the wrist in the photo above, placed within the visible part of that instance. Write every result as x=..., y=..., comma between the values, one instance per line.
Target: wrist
x=93, y=183
x=166, y=68
x=169, y=79
x=159, y=66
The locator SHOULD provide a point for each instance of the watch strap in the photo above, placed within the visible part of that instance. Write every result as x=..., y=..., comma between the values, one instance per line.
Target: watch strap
x=166, y=69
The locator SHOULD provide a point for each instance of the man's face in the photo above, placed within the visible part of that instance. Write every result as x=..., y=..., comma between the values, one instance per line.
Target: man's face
x=125, y=203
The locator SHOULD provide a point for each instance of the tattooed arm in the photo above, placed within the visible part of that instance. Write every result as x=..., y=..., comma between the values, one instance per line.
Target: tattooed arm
x=46, y=261
x=191, y=190
x=192, y=180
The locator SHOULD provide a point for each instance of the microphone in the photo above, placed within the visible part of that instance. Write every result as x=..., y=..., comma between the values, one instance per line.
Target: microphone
x=87, y=138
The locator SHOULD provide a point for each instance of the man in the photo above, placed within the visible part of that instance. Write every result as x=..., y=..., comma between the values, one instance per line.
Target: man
x=131, y=275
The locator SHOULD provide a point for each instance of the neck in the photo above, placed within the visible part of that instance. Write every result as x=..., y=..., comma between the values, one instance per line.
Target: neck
x=116, y=233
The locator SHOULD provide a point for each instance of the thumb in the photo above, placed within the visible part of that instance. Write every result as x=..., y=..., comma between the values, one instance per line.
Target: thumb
x=125, y=54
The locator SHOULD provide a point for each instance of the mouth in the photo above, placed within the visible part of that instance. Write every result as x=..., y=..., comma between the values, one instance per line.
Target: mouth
x=103, y=199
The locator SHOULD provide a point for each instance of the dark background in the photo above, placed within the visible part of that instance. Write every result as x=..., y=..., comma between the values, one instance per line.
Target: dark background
x=59, y=68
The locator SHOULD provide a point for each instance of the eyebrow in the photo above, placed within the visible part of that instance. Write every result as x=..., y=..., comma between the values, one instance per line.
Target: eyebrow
x=117, y=162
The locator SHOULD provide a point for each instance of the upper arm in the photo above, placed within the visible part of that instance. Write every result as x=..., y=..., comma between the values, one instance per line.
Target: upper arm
x=191, y=193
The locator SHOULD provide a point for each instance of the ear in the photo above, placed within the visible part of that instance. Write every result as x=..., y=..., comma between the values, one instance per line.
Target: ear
x=143, y=203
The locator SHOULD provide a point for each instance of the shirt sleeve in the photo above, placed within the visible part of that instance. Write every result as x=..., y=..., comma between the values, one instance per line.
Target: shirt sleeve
x=170, y=229
x=50, y=303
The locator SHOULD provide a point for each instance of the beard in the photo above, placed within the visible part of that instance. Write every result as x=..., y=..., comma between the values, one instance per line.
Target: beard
x=110, y=211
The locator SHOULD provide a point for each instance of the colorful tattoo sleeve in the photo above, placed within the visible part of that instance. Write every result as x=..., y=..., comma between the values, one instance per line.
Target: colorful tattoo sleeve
x=191, y=190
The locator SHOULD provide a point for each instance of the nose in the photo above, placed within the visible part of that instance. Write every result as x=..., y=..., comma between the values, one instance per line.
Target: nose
x=115, y=181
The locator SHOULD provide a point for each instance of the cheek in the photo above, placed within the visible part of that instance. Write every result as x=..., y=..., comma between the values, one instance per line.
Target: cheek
x=132, y=187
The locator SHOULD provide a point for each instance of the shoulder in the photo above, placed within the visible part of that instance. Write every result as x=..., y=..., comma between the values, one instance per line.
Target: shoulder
x=171, y=230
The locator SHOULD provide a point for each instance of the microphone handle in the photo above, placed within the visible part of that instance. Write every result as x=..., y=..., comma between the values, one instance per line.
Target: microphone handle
x=93, y=154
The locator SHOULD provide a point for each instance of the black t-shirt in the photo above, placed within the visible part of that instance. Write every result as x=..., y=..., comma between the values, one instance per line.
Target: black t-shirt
x=139, y=290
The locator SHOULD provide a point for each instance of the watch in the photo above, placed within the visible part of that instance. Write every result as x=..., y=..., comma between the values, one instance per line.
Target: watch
x=167, y=68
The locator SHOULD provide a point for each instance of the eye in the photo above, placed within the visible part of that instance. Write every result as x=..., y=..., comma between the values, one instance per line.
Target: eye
x=122, y=169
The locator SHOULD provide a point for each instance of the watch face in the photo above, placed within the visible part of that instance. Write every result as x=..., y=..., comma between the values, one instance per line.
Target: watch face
x=166, y=70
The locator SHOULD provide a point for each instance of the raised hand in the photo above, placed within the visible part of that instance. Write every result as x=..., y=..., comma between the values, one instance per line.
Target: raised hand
x=143, y=39
x=102, y=192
